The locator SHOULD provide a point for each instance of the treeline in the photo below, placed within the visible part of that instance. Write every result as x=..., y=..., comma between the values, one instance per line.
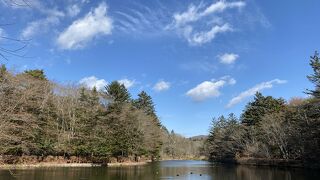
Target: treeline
x=271, y=128
x=39, y=117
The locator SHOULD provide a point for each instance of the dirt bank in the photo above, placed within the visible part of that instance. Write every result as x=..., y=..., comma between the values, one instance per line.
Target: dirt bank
x=9, y=162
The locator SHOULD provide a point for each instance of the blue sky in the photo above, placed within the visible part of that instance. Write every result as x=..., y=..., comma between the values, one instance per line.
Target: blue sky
x=197, y=59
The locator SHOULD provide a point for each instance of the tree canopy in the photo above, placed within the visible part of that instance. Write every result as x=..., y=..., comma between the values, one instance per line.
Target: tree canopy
x=270, y=128
x=36, y=73
x=315, y=77
x=117, y=92
x=260, y=106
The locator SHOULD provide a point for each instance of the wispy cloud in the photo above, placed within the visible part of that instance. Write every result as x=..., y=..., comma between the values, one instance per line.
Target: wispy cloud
x=83, y=30
x=50, y=15
x=228, y=58
x=162, y=86
x=194, y=13
x=230, y=80
x=127, y=82
x=185, y=22
x=93, y=81
x=73, y=10
x=40, y=26
x=209, y=89
x=141, y=20
x=52, y=18
x=21, y=4
x=250, y=92
x=199, y=38
x=2, y=33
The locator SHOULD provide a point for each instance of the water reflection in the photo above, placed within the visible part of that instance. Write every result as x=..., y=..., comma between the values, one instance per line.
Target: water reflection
x=178, y=170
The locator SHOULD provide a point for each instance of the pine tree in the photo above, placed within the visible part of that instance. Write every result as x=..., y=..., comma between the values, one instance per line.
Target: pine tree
x=117, y=92
x=315, y=77
x=259, y=107
x=87, y=115
x=3, y=71
x=145, y=103
x=36, y=73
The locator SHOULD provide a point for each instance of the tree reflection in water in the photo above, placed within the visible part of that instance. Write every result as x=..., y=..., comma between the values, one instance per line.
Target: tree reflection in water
x=185, y=170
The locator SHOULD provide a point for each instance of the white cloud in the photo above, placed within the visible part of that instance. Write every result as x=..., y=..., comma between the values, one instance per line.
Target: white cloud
x=221, y=6
x=127, y=82
x=142, y=19
x=232, y=81
x=2, y=33
x=194, y=13
x=209, y=89
x=228, y=58
x=200, y=38
x=253, y=90
x=205, y=90
x=40, y=26
x=92, y=81
x=52, y=18
x=73, y=10
x=229, y=80
x=183, y=22
x=161, y=86
x=83, y=30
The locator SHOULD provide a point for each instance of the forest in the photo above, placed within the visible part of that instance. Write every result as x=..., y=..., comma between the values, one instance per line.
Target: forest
x=271, y=129
x=42, y=118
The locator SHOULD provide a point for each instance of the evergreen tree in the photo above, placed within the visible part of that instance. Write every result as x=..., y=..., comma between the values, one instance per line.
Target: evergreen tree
x=315, y=77
x=117, y=92
x=36, y=73
x=145, y=103
x=3, y=70
x=87, y=115
x=259, y=107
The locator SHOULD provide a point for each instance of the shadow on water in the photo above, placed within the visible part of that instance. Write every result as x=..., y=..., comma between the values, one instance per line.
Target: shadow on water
x=164, y=170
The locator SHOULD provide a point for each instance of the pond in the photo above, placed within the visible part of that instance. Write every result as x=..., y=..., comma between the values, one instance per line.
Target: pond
x=163, y=170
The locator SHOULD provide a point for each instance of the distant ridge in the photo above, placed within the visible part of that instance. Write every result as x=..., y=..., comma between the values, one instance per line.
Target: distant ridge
x=198, y=138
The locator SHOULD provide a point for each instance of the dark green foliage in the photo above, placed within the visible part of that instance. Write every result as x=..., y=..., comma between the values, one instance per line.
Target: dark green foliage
x=309, y=128
x=128, y=138
x=87, y=121
x=37, y=73
x=223, y=141
x=259, y=107
x=315, y=77
x=3, y=70
x=117, y=92
x=145, y=103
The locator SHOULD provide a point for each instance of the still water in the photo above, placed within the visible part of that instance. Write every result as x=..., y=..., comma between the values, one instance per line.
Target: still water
x=175, y=170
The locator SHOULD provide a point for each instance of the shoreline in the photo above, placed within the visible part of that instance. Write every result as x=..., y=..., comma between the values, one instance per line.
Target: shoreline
x=24, y=162
x=269, y=162
x=57, y=165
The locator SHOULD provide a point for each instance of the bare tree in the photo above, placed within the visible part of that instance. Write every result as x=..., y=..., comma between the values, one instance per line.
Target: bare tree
x=10, y=46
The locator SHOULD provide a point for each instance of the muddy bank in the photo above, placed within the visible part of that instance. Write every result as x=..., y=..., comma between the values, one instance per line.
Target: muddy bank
x=8, y=161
